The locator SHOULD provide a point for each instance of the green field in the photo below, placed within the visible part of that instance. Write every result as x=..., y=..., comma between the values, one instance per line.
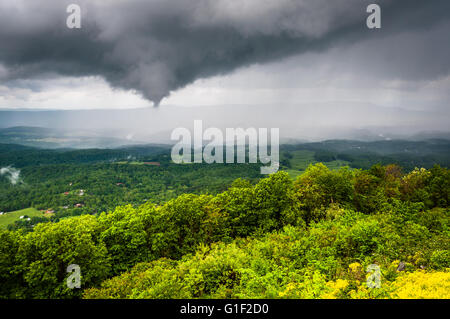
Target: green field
x=302, y=159
x=11, y=217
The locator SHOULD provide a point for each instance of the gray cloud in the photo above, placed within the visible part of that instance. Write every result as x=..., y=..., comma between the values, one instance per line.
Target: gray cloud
x=158, y=46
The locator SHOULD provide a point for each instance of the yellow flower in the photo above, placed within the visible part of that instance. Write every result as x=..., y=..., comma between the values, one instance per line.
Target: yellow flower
x=355, y=267
x=419, y=284
x=395, y=263
x=335, y=288
x=341, y=284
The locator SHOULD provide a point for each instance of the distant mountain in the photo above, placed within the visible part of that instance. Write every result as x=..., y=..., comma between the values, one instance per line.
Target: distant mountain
x=430, y=135
x=388, y=147
x=14, y=147
x=297, y=123
x=57, y=138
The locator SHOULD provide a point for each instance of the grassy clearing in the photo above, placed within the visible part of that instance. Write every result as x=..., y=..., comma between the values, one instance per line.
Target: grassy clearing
x=302, y=159
x=11, y=217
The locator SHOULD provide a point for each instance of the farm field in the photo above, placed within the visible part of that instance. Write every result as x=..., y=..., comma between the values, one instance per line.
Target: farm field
x=301, y=159
x=11, y=217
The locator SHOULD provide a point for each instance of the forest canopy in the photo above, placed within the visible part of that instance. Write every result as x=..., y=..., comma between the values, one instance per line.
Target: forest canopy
x=311, y=237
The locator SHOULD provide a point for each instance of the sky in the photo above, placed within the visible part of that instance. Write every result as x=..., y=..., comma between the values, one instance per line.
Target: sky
x=158, y=53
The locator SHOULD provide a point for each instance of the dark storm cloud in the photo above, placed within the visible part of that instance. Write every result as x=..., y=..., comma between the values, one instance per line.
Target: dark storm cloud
x=158, y=46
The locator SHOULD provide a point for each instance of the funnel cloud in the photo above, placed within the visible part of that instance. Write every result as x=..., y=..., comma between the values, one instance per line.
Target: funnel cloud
x=157, y=47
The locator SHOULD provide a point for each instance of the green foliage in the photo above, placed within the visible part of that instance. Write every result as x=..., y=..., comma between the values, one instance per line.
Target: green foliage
x=41, y=258
x=320, y=187
x=440, y=259
x=275, y=239
x=291, y=263
x=106, y=186
x=11, y=281
x=179, y=226
x=124, y=233
x=369, y=194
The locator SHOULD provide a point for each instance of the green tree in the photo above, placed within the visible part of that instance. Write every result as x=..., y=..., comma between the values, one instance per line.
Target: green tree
x=44, y=255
